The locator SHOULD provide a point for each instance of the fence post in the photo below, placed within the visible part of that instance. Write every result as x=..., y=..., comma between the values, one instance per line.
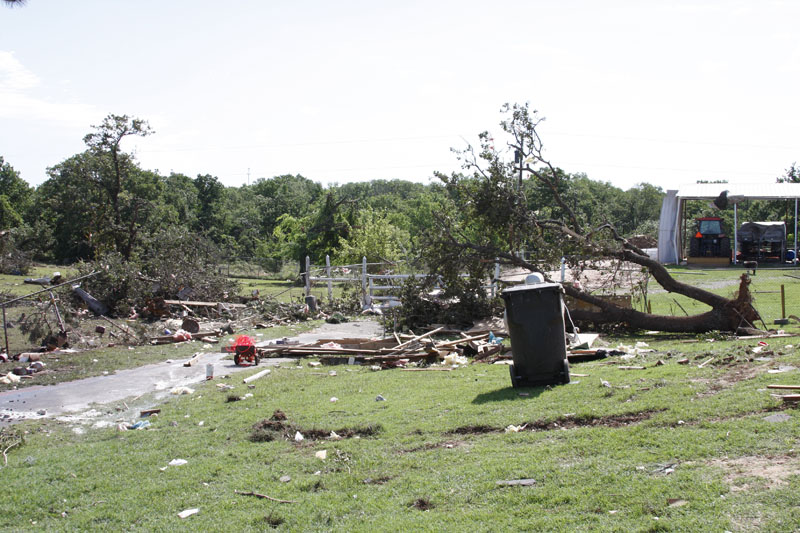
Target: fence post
x=367, y=296
x=328, y=275
x=308, y=276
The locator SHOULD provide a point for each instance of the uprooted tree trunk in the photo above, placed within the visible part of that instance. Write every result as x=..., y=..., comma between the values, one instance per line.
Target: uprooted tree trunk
x=494, y=218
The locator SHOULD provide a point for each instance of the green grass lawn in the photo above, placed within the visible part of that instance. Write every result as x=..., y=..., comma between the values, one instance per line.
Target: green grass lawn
x=765, y=287
x=669, y=448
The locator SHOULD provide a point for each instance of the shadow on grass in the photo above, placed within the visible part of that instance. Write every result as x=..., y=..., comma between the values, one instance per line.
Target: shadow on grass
x=508, y=393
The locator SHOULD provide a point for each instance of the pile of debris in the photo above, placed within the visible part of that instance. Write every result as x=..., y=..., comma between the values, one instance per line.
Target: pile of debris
x=391, y=352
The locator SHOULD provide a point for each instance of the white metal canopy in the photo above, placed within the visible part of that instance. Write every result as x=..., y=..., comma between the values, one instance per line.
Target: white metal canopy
x=669, y=245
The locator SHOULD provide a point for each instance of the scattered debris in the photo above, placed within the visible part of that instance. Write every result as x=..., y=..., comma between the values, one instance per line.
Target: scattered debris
x=193, y=360
x=188, y=512
x=256, y=376
x=517, y=482
x=262, y=496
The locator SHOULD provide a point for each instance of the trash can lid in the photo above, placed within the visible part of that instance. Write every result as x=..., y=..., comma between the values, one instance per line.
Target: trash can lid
x=536, y=287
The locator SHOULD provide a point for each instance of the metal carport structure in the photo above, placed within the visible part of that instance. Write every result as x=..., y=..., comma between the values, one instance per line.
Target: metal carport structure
x=672, y=210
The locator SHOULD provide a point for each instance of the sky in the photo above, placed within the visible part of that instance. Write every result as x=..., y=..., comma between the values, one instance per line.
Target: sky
x=660, y=92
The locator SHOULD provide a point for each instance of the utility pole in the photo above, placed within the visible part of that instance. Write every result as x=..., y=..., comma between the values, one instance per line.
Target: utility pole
x=248, y=175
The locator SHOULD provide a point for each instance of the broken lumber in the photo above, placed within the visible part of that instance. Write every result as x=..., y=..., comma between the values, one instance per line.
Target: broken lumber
x=415, y=339
x=125, y=330
x=256, y=376
x=193, y=360
x=462, y=341
x=704, y=363
x=791, y=398
x=784, y=387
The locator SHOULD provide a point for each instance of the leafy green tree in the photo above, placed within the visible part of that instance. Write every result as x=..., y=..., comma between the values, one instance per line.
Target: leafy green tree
x=373, y=236
x=792, y=175
x=210, y=196
x=100, y=200
x=18, y=196
x=9, y=218
x=282, y=195
x=318, y=234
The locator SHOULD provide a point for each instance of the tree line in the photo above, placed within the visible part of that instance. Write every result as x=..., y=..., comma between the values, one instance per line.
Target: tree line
x=101, y=201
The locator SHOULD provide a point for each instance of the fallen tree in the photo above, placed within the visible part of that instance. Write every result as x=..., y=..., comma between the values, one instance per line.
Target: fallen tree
x=495, y=212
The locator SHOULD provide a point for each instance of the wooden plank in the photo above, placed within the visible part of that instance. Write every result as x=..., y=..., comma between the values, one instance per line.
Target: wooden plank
x=461, y=341
x=784, y=387
x=417, y=338
x=202, y=304
x=193, y=360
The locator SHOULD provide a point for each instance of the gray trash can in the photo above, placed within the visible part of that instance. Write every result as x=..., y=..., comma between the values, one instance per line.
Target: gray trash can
x=535, y=321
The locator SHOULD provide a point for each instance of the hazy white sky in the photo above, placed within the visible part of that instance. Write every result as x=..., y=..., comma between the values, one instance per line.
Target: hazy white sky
x=664, y=92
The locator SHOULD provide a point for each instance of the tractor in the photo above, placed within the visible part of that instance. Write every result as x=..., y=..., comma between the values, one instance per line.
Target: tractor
x=710, y=240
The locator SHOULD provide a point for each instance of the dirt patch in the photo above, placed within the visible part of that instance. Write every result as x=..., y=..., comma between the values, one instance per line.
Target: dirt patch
x=753, y=472
x=434, y=445
x=276, y=428
x=565, y=422
x=730, y=378
x=422, y=504
x=475, y=430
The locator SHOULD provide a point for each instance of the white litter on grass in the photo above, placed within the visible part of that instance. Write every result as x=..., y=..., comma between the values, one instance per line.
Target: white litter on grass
x=177, y=462
x=515, y=429
x=298, y=437
x=321, y=455
x=177, y=391
x=756, y=349
x=454, y=360
x=633, y=351
x=375, y=368
x=334, y=399
x=314, y=364
x=334, y=436
x=188, y=512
